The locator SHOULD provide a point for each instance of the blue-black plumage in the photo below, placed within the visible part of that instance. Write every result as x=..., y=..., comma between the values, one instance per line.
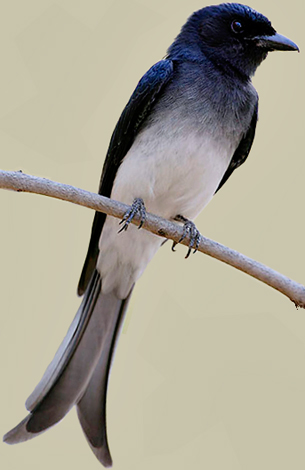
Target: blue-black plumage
x=188, y=125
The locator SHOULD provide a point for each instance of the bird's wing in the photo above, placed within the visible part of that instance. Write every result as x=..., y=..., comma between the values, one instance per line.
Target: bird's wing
x=137, y=109
x=243, y=149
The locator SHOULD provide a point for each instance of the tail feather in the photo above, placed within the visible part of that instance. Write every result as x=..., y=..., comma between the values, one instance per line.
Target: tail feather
x=91, y=408
x=68, y=345
x=78, y=373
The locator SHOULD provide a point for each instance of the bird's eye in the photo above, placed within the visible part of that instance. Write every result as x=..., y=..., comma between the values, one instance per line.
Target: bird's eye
x=237, y=27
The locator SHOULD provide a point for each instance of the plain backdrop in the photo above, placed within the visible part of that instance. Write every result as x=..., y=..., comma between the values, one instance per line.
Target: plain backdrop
x=209, y=370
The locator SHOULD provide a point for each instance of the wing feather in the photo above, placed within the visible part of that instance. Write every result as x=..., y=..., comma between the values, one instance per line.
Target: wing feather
x=243, y=149
x=134, y=114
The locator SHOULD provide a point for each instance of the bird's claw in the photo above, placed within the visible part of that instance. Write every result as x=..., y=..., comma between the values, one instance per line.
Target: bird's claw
x=189, y=229
x=137, y=207
x=174, y=245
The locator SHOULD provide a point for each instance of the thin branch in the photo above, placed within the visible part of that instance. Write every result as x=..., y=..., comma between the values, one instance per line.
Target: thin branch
x=21, y=182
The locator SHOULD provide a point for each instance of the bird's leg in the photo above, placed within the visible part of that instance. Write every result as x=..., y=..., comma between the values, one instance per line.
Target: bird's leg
x=189, y=228
x=137, y=207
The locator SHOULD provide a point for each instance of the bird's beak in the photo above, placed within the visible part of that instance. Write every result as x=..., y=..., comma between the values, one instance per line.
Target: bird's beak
x=276, y=42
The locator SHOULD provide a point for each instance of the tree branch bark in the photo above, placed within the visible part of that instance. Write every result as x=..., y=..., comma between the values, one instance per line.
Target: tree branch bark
x=18, y=181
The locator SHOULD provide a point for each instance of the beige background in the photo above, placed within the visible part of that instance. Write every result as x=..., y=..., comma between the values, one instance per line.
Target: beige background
x=209, y=372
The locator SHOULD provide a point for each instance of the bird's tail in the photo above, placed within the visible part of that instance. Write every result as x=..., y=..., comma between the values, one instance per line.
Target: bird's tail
x=78, y=374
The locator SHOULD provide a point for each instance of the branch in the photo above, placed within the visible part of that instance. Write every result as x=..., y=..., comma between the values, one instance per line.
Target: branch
x=18, y=181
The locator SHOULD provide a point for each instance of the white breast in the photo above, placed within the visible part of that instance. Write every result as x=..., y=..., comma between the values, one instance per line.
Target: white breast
x=175, y=171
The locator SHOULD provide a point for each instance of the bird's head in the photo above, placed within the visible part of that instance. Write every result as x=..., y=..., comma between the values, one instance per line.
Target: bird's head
x=231, y=35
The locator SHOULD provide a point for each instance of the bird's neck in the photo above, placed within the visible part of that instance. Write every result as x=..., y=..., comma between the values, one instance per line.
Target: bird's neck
x=230, y=70
x=238, y=66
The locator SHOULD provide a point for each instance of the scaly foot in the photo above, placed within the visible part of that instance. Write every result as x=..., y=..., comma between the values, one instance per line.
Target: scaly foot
x=137, y=207
x=189, y=229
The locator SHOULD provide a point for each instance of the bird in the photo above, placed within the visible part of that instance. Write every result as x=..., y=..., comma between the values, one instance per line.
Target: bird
x=188, y=125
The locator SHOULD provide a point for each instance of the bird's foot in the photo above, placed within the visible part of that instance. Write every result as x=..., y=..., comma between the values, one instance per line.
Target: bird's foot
x=189, y=229
x=137, y=207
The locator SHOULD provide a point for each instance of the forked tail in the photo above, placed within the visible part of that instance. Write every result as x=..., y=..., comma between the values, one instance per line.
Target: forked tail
x=78, y=374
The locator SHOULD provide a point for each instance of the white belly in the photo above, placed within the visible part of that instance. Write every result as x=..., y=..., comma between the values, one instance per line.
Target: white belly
x=174, y=173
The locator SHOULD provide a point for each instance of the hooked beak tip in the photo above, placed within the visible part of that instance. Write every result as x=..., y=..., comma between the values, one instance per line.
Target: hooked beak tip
x=277, y=42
